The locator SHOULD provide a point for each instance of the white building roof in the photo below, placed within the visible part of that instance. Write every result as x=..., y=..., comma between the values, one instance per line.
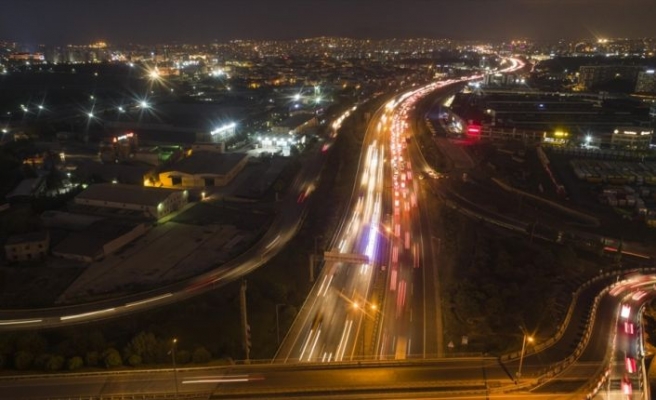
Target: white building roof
x=128, y=194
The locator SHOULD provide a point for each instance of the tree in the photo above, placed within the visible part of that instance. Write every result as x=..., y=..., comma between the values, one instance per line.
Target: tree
x=55, y=363
x=41, y=361
x=134, y=360
x=112, y=358
x=201, y=355
x=23, y=360
x=31, y=342
x=145, y=345
x=74, y=363
x=92, y=358
x=97, y=341
x=183, y=357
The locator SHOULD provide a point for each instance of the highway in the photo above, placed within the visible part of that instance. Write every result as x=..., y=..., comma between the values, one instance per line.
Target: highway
x=453, y=378
x=372, y=308
x=334, y=312
x=371, y=315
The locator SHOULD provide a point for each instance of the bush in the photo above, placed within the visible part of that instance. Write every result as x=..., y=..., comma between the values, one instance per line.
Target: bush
x=112, y=358
x=74, y=363
x=201, y=355
x=134, y=360
x=41, y=361
x=92, y=358
x=55, y=363
x=23, y=360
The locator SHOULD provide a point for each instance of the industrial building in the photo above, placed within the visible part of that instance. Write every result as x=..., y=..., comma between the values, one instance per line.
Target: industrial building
x=27, y=246
x=203, y=169
x=151, y=202
x=98, y=240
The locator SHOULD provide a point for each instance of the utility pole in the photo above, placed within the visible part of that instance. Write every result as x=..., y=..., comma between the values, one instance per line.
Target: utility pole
x=174, y=348
x=246, y=329
x=311, y=268
x=278, y=321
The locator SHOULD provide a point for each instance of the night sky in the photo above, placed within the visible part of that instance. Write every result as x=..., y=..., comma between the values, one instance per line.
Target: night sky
x=202, y=21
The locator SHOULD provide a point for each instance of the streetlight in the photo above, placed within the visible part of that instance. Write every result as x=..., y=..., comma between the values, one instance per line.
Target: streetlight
x=175, y=369
x=278, y=321
x=529, y=339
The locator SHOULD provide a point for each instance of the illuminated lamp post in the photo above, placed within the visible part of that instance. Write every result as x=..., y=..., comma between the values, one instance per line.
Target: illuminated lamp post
x=175, y=369
x=529, y=339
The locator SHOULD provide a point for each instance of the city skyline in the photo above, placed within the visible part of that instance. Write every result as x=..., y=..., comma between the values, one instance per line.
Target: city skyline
x=121, y=21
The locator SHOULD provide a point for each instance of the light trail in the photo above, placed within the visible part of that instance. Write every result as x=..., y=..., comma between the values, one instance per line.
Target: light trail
x=137, y=303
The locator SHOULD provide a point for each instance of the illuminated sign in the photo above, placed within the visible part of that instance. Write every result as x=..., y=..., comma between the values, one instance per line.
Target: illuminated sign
x=124, y=137
x=473, y=130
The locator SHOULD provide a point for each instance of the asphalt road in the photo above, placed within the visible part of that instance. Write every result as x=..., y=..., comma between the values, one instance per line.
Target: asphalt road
x=444, y=378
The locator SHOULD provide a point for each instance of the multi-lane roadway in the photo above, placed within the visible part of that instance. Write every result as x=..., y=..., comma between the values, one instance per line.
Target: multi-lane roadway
x=381, y=309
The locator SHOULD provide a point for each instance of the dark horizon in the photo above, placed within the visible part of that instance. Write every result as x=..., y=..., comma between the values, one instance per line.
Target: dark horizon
x=202, y=21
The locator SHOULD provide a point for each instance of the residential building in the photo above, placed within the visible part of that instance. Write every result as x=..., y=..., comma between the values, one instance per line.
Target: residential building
x=592, y=75
x=646, y=82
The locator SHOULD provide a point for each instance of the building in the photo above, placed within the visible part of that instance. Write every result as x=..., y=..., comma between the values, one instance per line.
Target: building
x=27, y=246
x=98, y=240
x=592, y=75
x=152, y=202
x=646, y=82
x=28, y=189
x=499, y=79
x=203, y=169
x=296, y=124
x=27, y=57
x=631, y=138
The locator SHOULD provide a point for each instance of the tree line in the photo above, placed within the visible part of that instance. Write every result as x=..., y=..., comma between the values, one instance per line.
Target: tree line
x=82, y=349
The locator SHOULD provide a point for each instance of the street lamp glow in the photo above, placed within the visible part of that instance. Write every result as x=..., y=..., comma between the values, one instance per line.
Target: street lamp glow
x=153, y=74
x=90, y=115
x=121, y=110
x=529, y=339
x=297, y=97
x=144, y=104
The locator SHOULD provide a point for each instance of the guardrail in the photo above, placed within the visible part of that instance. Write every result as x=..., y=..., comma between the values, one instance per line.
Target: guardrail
x=144, y=396
x=559, y=367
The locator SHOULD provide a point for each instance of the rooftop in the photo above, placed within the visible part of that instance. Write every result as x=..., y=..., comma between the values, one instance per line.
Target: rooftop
x=121, y=193
x=90, y=241
x=206, y=162
x=296, y=120
x=30, y=237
